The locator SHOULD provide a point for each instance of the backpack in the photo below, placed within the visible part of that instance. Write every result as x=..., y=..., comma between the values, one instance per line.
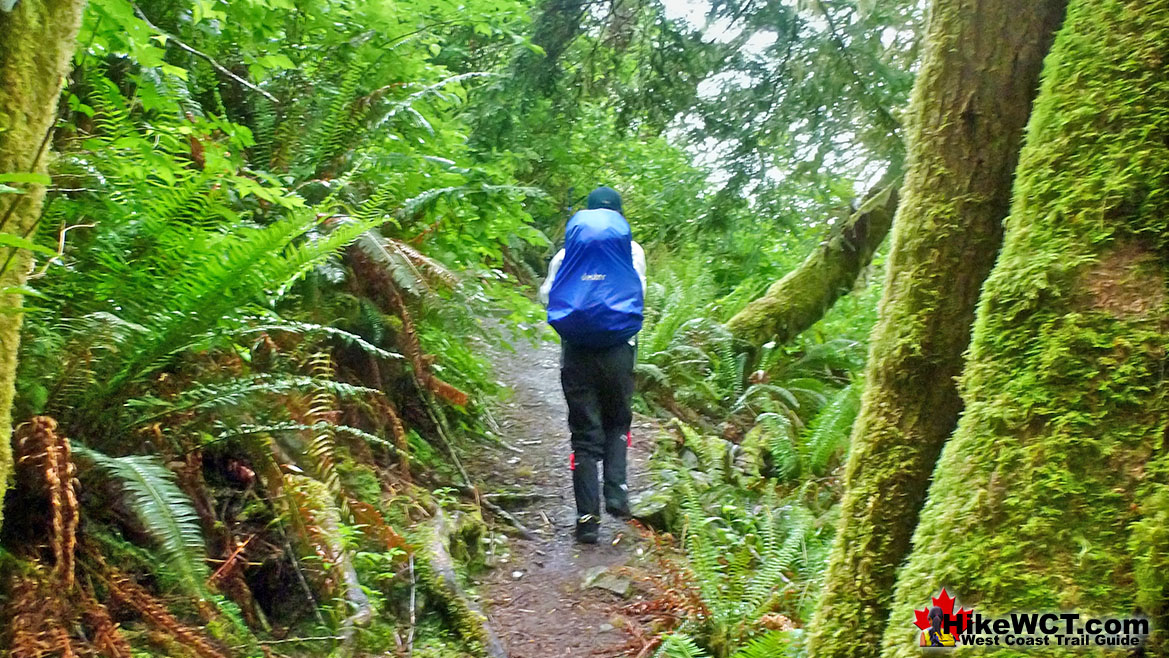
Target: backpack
x=596, y=299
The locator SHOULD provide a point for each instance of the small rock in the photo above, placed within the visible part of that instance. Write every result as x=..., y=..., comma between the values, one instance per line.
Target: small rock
x=591, y=576
x=516, y=575
x=600, y=578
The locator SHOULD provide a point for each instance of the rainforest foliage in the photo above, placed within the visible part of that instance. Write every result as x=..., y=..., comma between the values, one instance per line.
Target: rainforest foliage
x=255, y=252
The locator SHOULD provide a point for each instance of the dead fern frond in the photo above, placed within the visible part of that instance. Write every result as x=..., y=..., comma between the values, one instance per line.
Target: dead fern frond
x=28, y=617
x=398, y=430
x=62, y=643
x=107, y=637
x=40, y=615
x=323, y=413
x=153, y=612
x=40, y=447
x=376, y=526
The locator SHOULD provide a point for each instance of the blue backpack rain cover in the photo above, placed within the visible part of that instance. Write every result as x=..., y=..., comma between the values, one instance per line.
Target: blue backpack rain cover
x=596, y=298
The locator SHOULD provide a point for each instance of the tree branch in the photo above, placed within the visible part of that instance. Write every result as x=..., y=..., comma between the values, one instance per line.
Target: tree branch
x=198, y=53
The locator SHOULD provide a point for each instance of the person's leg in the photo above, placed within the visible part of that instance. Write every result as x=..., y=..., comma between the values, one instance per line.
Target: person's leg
x=588, y=437
x=616, y=418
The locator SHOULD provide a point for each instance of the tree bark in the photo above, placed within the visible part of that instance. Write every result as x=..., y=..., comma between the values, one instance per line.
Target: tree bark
x=37, y=40
x=970, y=104
x=799, y=299
x=1054, y=492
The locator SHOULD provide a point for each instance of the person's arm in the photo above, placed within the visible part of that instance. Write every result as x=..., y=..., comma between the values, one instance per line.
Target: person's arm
x=553, y=267
x=639, y=264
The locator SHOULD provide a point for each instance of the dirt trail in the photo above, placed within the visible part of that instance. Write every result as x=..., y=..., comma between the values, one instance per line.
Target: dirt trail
x=537, y=600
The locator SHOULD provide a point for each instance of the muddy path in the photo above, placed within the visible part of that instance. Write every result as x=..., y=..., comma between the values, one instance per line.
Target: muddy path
x=549, y=599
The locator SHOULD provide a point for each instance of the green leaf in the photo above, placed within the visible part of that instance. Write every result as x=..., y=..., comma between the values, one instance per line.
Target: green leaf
x=25, y=177
x=9, y=240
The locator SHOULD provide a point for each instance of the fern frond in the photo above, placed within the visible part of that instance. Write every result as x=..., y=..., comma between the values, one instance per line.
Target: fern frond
x=766, y=397
x=779, y=438
x=267, y=324
x=703, y=555
x=410, y=270
x=163, y=509
x=213, y=397
x=676, y=645
x=322, y=409
x=829, y=432
x=776, y=558
x=773, y=644
x=244, y=430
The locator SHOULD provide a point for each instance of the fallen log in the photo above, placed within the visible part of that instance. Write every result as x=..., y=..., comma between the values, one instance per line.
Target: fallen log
x=436, y=571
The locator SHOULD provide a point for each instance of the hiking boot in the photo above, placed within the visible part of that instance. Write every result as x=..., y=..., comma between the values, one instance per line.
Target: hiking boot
x=588, y=529
x=618, y=510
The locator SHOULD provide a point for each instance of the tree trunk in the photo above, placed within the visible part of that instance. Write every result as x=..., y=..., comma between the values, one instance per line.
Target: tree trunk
x=1053, y=494
x=37, y=39
x=969, y=107
x=804, y=295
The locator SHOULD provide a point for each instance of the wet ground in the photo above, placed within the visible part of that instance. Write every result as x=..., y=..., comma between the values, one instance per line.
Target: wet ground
x=538, y=600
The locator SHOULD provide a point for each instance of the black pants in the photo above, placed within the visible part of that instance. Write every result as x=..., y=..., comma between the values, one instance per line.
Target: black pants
x=598, y=386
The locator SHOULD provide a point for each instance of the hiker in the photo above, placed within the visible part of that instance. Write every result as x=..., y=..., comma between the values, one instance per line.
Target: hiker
x=595, y=293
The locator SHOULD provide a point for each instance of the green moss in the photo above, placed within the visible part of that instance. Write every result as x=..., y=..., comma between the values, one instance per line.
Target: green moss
x=466, y=622
x=359, y=479
x=971, y=102
x=1052, y=493
x=37, y=40
x=800, y=298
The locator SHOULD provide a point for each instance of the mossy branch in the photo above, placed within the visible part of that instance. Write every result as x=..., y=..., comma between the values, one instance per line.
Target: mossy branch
x=800, y=298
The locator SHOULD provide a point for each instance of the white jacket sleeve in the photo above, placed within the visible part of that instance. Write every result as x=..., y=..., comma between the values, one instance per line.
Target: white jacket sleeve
x=553, y=267
x=639, y=264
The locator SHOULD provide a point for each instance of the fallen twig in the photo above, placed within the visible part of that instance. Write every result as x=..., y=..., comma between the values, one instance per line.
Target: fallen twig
x=413, y=588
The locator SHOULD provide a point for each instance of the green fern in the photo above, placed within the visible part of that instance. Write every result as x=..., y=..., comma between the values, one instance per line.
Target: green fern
x=772, y=564
x=247, y=430
x=251, y=325
x=829, y=432
x=779, y=436
x=338, y=121
x=704, y=556
x=677, y=645
x=207, y=398
x=164, y=510
x=773, y=644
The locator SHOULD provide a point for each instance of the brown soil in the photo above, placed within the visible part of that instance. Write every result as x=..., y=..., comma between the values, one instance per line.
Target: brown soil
x=536, y=600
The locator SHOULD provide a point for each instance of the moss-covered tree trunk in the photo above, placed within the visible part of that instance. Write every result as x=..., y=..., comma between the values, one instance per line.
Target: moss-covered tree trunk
x=1054, y=492
x=799, y=299
x=37, y=39
x=970, y=104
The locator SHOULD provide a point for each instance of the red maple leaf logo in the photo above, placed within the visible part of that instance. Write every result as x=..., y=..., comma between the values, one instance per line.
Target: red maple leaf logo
x=946, y=602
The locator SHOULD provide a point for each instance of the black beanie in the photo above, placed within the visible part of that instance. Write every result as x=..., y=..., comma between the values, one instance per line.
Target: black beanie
x=605, y=197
